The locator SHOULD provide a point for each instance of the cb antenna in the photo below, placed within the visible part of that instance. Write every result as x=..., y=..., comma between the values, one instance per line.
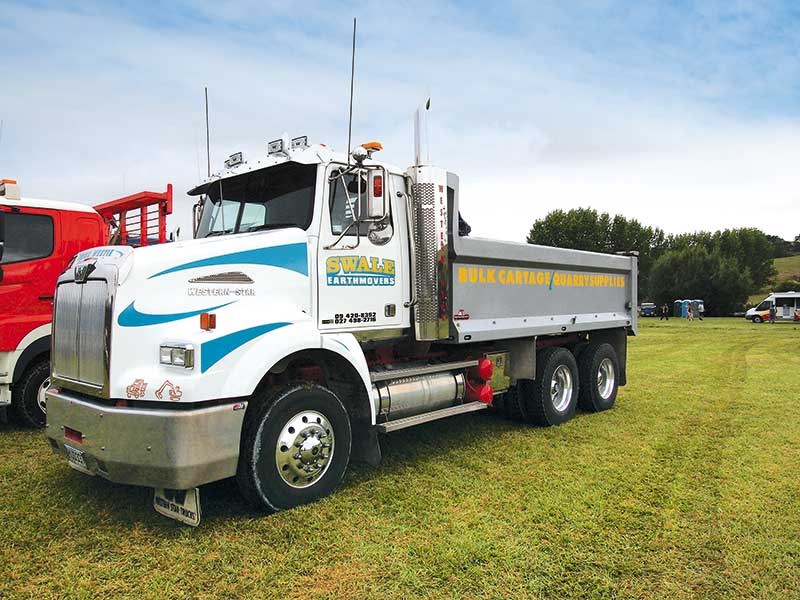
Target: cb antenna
x=208, y=138
x=352, y=78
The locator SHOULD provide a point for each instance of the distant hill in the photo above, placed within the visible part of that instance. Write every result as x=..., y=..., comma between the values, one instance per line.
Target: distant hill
x=788, y=267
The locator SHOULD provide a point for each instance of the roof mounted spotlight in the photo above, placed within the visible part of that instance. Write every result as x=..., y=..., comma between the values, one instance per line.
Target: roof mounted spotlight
x=359, y=153
x=234, y=160
x=276, y=147
x=300, y=142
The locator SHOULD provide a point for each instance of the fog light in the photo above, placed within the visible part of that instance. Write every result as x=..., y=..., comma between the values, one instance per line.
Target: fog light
x=177, y=355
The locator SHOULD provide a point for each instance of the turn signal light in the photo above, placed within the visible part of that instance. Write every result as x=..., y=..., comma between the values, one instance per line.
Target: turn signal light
x=208, y=321
x=485, y=394
x=485, y=369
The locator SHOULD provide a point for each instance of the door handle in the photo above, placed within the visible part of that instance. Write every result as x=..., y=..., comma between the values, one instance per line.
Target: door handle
x=46, y=298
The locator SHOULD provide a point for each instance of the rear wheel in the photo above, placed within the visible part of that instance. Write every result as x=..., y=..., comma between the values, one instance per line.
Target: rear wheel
x=599, y=376
x=28, y=396
x=295, y=447
x=551, y=398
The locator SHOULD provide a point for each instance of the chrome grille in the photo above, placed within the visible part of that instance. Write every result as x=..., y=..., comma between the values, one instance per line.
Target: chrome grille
x=80, y=336
x=65, y=313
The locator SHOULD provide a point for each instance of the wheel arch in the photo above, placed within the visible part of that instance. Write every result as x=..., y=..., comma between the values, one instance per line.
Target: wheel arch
x=344, y=371
x=336, y=372
x=33, y=351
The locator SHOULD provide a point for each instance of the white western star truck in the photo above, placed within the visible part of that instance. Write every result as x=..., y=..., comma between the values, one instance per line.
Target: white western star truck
x=326, y=299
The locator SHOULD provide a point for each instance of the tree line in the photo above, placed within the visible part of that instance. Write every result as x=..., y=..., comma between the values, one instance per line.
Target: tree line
x=723, y=268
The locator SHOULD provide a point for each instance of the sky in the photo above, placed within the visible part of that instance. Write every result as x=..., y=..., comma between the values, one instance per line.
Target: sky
x=683, y=115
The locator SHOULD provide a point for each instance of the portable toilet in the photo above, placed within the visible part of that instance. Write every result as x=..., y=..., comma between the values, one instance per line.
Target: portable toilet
x=677, y=308
x=685, y=307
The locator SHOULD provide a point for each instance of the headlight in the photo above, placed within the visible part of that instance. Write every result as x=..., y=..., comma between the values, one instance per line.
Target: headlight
x=177, y=355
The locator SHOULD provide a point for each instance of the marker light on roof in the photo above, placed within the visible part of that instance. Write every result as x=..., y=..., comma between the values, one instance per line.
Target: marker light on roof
x=234, y=159
x=300, y=142
x=276, y=147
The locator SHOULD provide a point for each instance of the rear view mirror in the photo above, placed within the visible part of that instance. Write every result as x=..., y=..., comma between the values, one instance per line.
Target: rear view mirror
x=197, y=215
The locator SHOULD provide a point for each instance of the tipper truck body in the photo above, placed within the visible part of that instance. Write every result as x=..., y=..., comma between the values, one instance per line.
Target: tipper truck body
x=327, y=299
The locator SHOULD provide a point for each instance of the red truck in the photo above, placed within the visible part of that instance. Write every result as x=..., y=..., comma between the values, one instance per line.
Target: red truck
x=38, y=239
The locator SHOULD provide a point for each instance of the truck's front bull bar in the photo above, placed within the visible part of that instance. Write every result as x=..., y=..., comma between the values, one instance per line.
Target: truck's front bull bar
x=176, y=449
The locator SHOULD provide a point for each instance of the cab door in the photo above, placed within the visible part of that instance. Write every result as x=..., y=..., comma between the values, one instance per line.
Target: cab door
x=362, y=283
x=27, y=272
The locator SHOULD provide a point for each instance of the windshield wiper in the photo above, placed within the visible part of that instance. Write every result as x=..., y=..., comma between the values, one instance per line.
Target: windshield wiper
x=222, y=232
x=269, y=226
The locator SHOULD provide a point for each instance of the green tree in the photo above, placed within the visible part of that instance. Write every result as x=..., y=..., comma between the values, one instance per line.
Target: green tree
x=691, y=271
x=780, y=246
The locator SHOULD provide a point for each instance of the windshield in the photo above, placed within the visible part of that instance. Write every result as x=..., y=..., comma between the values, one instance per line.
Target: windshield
x=280, y=196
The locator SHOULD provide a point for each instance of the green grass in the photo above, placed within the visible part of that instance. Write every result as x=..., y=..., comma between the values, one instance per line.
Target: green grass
x=689, y=488
x=788, y=267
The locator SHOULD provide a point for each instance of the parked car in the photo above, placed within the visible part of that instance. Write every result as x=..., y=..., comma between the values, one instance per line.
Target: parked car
x=648, y=309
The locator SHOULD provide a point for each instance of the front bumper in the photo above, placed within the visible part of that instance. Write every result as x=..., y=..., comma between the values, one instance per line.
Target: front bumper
x=177, y=449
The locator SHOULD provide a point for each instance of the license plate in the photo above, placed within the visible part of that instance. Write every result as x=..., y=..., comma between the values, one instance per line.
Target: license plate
x=77, y=460
x=181, y=505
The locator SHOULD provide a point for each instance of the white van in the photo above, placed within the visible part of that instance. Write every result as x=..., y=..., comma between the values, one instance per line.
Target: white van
x=787, y=308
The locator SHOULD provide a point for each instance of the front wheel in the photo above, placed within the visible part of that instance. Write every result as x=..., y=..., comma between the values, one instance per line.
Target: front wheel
x=28, y=396
x=295, y=447
x=757, y=319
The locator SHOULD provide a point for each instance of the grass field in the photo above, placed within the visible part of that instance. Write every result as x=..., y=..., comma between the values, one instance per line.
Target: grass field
x=689, y=488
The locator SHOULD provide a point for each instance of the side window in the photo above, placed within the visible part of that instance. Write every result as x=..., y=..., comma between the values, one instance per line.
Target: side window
x=348, y=201
x=28, y=237
x=253, y=215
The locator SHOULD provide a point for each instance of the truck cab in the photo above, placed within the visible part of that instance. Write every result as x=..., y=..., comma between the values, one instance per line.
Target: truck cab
x=38, y=238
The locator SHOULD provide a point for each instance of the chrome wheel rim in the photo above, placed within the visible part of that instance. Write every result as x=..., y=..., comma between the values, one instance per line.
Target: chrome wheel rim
x=41, y=395
x=561, y=388
x=304, y=449
x=605, y=378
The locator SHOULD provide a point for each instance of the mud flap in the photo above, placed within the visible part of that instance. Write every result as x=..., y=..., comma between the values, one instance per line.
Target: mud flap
x=181, y=505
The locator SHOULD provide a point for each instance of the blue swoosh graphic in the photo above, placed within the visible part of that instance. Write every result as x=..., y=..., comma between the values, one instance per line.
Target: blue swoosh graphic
x=289, y=256
x=130, y=317
x=215, y=350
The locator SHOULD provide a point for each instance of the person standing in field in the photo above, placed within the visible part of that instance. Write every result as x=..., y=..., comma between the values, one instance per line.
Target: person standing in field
x=689, y=315
x=664, y=312
x=772, y=313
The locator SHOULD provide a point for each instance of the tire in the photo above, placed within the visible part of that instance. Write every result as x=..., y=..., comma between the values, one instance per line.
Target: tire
x=598, y=369
x=757, y=319
x=510, y=405
x=551, y=398
x=271, y=474
x=27, y=397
